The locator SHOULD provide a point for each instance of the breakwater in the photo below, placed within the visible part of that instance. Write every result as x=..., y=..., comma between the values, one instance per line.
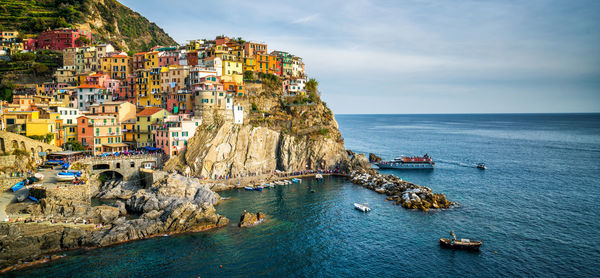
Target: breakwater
x=406, y=194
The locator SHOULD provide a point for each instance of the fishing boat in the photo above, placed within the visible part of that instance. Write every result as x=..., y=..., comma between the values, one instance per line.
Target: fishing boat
x=258, y=188
x=463, y=243
x=38, y=176
x=63, y=177
x=295, y=180
x=249, y=188
x=362, y=207
x=18, y=186
x=269, y=185
x=408, y=163
x=70, y=173
x=481, y=166
x=319, y=177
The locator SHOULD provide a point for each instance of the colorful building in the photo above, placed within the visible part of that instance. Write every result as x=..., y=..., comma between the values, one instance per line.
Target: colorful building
x=60, y=39
x=116, y=66
x=148, y=87
x=87, y=95
x=173, y=134
x=144, y=121
x=101, y=134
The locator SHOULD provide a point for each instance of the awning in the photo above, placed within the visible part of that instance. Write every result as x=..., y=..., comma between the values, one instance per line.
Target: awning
x=116, y=145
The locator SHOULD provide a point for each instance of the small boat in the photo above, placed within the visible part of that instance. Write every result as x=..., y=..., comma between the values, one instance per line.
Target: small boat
x=295, y=180
x=362, y=207
x=18, y=186
x=269, y=185
x=33, y=199
x=225, y=198
x=60, y=177
x=38, y=176
x=70, y=173
x=249, y=188
x=258, y=188
x=463, y=243
x=319, y=176
x=481, y=166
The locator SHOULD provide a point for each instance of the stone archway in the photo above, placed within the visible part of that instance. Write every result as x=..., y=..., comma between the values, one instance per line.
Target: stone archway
x=2, y=147
x=100, y=167
x=15, y=144
x=23, y=146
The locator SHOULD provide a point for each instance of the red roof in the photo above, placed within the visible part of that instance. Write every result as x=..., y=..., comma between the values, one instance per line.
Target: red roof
x=87, y=86
x=149, y=111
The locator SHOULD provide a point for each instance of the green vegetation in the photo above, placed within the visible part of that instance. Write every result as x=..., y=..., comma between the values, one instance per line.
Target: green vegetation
x=73, y=146
x=18, y=152
x=248, y=75
x=40, y=63
x=6, y=89
x=43, y=138
x=254, y=107
x=270, y=81
x=312, y=88
x=33, y=17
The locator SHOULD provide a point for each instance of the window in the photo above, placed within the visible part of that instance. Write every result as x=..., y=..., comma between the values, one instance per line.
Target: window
x=132, y=164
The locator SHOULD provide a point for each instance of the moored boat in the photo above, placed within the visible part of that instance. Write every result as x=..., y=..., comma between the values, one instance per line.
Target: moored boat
x=249, y=188
x=463, y=243
x=258, y=188
x=39, y=176
x=18, y=186
x=295, y=180
x=60, y=177
x=362, y=207
x=319, y=177
x=408, y=163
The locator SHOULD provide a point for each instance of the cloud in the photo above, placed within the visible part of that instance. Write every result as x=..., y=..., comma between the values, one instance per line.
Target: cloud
x=305, y=19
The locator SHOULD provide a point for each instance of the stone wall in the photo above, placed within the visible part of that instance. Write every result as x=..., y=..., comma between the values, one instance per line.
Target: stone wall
x=10, y=141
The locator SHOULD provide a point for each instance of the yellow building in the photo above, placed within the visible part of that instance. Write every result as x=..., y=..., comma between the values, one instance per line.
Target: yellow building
x=11, y=47
x=148, y=82
x=194, y=45
x=249, y=64
x=145, y=119
x=151, y=59
x=8, y=35
x=117, y=66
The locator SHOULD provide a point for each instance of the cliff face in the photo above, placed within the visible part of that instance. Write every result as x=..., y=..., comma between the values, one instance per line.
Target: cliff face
x=235, y=150
x=279, y=133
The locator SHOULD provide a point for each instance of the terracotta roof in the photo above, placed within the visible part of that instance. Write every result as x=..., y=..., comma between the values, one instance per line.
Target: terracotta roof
x=119, y=56
x=149, y=111
x=86, y=86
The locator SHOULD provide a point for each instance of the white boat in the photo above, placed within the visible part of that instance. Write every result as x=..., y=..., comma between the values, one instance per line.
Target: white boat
x=319, y=176
x=64, y=177
x=269, y=185
x=362, y=207
x=38, y=176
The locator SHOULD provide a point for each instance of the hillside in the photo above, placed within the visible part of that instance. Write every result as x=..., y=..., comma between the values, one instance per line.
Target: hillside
x=109, y=20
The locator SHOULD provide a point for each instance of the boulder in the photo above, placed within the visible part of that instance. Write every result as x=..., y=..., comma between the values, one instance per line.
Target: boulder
x=250, y=219
x=106, y=214
x=374, y=158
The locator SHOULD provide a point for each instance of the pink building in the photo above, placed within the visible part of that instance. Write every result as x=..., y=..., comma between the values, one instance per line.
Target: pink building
x=126, y=91
x=173, y=134
x=60, y=39
x=97, y=79
x=208, y=83
x=168, y=58
x=52, y=87
x=112, y=87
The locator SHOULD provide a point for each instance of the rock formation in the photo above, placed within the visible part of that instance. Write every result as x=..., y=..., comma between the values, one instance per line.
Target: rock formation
x=374, y=158
x=171, y=204
x=409, y=195
x=250, y=219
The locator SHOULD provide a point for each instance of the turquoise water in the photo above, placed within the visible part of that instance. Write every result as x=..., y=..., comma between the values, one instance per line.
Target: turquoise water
x=535, y=208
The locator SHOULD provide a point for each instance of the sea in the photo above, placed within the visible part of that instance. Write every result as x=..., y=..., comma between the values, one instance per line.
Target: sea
x=536, y=209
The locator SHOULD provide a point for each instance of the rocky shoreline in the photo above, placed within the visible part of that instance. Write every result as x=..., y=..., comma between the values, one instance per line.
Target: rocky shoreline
x=406, y=194
x=171, y=204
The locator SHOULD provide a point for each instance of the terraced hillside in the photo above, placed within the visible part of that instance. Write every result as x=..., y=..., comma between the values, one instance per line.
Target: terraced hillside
x=109, y=20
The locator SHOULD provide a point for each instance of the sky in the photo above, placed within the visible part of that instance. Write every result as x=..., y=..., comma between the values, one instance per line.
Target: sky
x=417, y=56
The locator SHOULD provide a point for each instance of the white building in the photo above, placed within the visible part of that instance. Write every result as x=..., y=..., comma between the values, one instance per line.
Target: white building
x=294, y=86
x=90, y=94
x=68, y=115
x=238, y=114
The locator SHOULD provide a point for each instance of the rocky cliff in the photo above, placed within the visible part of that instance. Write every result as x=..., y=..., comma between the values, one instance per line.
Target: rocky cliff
x=279, y=133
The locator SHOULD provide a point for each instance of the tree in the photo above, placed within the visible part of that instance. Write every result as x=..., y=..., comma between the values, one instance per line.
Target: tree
x=39, y=68
x=6, y=89
x=248, y=75
x=73, y=146
x=312, y=88
x=82, y=41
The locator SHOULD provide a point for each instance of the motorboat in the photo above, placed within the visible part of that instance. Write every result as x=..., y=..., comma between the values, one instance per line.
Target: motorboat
x=249, y=188
x=362, y=207
x=295, y=180
x=258, y=188
x=60, y=177
x=319, y=176
x=39, y=176
x=268, y=185
x=70, y=173
x=481, y=166
x=463, y=243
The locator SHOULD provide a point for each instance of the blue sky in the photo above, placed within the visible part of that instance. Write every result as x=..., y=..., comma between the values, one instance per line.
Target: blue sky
x=417, y=56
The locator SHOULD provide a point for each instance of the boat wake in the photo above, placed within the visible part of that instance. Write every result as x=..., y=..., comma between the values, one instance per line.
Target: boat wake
x=457, y=163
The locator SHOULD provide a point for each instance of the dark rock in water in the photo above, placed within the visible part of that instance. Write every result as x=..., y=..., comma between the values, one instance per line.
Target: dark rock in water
x=350, y=152
x=250, y=219
x=374, y=158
